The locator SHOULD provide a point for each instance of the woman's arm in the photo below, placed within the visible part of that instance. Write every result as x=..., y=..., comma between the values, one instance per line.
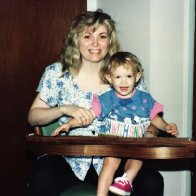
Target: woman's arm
x=73, y=123
x=41, y=113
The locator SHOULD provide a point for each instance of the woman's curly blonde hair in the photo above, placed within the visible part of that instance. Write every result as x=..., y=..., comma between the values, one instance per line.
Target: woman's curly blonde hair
x=71, y=57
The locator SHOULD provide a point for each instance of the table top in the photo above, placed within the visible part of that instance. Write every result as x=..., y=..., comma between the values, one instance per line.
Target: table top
x=143, y=148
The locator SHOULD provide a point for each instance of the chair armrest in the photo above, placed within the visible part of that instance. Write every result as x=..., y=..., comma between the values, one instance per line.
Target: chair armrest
x=46, y=130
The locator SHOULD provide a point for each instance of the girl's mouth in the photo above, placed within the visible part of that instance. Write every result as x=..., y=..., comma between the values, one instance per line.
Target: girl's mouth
x=123, y=88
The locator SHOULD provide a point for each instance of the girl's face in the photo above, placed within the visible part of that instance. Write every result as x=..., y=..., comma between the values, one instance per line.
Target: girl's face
x=123, y=80
x=93, y=45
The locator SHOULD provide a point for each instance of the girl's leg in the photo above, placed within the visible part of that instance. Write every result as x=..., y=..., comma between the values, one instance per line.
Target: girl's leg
x=132, y=167
x=106, y=176
x=49, y=176
x=148, y=182
x=123, y=184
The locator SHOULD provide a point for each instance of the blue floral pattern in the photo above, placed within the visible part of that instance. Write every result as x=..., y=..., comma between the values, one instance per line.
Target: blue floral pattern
x=56, y=88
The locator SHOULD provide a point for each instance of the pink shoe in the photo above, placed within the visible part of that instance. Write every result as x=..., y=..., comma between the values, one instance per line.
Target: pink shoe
x=121, y=186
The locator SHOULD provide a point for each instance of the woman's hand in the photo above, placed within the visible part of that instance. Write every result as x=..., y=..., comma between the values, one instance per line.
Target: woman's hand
x=83, y=115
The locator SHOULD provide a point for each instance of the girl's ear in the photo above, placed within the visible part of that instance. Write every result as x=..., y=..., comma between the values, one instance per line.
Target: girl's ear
x=138, y=76
x=108, y=78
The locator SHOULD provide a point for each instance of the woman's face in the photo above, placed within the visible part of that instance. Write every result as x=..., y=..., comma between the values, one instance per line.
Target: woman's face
x=93, y=45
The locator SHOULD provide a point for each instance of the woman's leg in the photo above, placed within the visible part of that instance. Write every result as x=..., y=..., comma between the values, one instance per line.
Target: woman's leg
x=49, y=176
x=148, y=182
x=106, y=176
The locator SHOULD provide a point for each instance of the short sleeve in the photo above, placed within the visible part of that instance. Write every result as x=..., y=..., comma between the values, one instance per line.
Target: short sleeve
x=103, y=105
x=151, y=104
x=96, y=107
x=157, y=108
x=50, y=84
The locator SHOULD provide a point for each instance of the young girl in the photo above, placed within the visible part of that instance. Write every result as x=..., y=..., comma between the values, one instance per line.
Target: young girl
x=125, y=111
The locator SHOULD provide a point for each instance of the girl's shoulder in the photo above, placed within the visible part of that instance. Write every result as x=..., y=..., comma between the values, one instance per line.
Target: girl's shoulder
x=143, y=95
x=108, y=93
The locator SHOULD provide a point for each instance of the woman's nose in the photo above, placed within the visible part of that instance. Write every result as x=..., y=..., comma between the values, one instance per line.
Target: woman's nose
x=95, y=41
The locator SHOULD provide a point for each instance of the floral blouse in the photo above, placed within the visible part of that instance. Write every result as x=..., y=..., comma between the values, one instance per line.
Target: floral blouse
x=55, y=89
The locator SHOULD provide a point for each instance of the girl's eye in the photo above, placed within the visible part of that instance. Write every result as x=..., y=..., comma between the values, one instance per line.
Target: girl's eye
x=129, y=76
x=117, y=77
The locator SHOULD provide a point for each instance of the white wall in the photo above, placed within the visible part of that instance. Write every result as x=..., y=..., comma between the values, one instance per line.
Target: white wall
x=160, y=33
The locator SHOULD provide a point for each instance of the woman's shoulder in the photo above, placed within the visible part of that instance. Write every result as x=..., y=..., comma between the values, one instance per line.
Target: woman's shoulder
x=54, y=69
x=141, y=85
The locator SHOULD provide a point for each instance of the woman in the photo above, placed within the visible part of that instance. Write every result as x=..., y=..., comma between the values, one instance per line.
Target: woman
x=65, y=91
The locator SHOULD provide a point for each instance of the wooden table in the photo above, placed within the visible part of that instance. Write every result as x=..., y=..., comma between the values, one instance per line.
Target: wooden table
x=143, y=148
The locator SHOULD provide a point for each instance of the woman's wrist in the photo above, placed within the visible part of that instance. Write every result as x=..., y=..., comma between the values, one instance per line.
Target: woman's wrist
x=62, y=110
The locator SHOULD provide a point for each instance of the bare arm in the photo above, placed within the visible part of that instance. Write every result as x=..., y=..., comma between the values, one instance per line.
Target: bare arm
x=152, y=131
x=41, y=113
x=72, y=123
x=161, y=124
x=67, y=126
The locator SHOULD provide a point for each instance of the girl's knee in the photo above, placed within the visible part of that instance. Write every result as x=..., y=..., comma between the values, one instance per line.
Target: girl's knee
x=111, y=163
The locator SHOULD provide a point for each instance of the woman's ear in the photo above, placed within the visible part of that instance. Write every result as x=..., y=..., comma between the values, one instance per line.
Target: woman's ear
x=108, y=78
x=138, y=76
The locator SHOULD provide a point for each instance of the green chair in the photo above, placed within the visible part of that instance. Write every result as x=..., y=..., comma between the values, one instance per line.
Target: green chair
x=83, y=189
x=47, y=129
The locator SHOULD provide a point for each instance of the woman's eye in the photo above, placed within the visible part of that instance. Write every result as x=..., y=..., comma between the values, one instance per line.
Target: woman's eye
x=117, y=77
x=86, y=36
x=103, y=37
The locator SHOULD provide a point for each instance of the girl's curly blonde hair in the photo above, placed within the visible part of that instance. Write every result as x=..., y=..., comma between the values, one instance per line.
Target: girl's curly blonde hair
x=118, y=59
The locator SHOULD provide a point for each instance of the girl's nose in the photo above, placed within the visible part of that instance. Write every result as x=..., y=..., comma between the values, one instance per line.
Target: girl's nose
x=123, y=81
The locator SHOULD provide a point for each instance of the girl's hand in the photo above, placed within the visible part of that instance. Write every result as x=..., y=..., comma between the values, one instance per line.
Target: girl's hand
x=172, y=129
x=64, y=127
x=83, y=115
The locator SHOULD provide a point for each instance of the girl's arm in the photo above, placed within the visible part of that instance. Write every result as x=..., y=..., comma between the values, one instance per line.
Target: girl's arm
x=152, y=131
x=67, y=126
x=161, y=124
x=73, y=123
